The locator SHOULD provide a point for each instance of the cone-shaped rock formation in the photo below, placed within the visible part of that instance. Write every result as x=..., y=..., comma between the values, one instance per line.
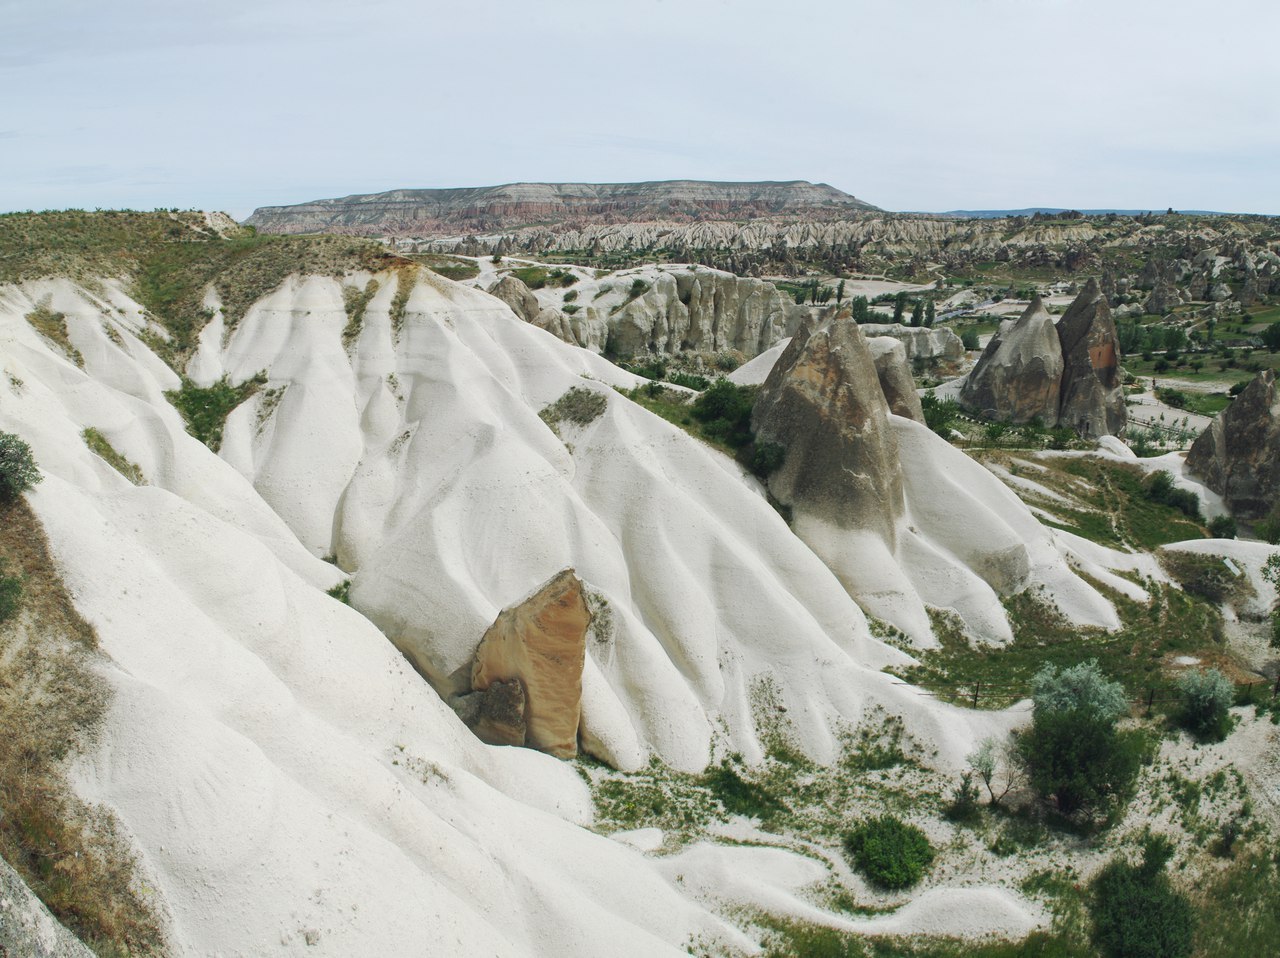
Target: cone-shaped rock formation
x=1238, y=456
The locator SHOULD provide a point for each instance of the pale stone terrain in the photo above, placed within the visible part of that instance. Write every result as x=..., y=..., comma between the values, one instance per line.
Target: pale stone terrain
x=288, y=770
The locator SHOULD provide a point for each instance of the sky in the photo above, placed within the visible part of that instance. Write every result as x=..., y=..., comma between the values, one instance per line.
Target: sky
x=908, y=104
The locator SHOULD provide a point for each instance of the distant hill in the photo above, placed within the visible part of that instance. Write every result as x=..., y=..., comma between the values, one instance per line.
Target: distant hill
x=1053, y=210
x=488, y=208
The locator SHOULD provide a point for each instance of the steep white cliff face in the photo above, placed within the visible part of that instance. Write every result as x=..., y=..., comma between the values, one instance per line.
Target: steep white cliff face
x=668, y=310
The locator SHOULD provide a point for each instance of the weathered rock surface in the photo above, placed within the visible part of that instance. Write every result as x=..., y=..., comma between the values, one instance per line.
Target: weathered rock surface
x=666, y=310
x=822, y=401
x=1238, y=456
x=894, y=372
x=940, y=345
x=27, y=929
x=1092, y=393
x=527, y=671
x=1019, y=376
x=1164, y=297
x=512, y=291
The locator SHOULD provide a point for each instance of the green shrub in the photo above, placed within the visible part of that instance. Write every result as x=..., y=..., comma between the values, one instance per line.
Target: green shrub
x=1136, y=914
x=767, y=458
x=689, y=381
x=969, y=339
x=10, y=595
x=891, y=853
x=1222, y=527
x=1073, y=753
x=964, y=805
x=724, y=409
x=1160, y=488
x=1268, y=529
x=654, y=369
x=939, y=414
x=1206, y=697
x=1080, y=687
x=18, y=470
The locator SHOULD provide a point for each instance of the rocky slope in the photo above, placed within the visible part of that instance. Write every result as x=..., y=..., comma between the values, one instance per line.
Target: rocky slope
x=1238, y=456
x=890, y=507
x=286, y=768
x=452, y=211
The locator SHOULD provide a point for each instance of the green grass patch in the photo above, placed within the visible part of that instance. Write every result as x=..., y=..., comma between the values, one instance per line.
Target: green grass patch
x=1174, y=623
x=205, y=409
x=1123, y=515
x=450, y=267
x=99, y=445
x=355, y=301
x=53, y=327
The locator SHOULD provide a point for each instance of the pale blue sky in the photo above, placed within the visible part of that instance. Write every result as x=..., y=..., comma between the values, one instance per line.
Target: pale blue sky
x=909, y=104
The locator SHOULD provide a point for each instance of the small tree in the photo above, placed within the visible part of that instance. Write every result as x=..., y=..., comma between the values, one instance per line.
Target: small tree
x=861, y=310
x=899, y=307
x=992, y=761
x=930, y=314
x=840, y=292
x=917, y=313
x=1073, y=753
x=1206, y=699
x=18, y=470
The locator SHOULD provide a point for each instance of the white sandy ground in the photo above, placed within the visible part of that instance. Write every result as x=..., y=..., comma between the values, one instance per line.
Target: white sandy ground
x=283, y=773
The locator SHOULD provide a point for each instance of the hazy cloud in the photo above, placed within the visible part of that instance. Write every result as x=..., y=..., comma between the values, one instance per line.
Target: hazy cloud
x=910, y=104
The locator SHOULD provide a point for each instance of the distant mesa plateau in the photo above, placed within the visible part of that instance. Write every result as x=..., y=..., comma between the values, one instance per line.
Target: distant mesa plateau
x=485, y=208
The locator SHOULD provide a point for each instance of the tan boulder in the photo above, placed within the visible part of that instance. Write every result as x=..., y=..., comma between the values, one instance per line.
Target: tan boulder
x=540, y=645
